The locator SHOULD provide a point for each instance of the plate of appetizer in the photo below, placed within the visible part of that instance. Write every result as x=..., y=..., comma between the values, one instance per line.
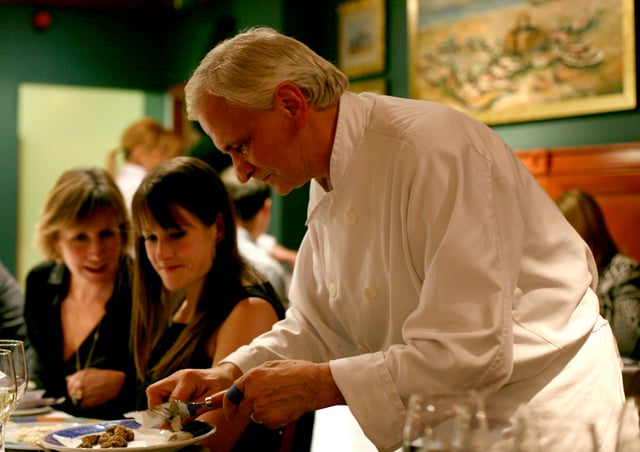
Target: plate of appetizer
x=125, y=435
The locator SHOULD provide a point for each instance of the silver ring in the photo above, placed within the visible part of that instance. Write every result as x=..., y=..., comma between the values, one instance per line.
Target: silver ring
x=254, y=419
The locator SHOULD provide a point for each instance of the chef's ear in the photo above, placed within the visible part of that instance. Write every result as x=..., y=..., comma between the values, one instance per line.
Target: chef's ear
x=290, y=99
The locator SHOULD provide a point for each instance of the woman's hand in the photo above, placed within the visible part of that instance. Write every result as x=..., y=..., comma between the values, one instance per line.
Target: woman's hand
x=93, y=387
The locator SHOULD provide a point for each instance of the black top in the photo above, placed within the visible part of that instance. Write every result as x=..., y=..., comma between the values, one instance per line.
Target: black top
x=11, y=307
x=255, y=437
x=46, y=287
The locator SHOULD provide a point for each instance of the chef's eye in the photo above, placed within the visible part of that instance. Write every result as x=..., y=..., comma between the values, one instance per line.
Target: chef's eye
x=240, y=149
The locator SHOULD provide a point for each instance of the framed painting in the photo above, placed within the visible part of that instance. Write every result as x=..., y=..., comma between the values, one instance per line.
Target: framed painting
x=361, y=37
x=376, y=85
x=505, y=61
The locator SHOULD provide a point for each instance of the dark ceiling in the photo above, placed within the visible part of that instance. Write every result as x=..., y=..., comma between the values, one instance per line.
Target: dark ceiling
x=112, y=5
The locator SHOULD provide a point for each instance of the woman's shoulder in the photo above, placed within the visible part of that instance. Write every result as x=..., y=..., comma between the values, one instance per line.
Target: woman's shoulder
x=266, y=292
x=45, y=273
x=624, y=263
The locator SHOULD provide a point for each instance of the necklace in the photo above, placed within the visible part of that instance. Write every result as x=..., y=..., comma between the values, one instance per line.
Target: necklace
x=96, y=335
x=77, y=399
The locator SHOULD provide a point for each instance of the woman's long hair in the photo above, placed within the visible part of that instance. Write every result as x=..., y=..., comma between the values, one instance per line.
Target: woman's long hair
x=584, y=214
x=193, y=185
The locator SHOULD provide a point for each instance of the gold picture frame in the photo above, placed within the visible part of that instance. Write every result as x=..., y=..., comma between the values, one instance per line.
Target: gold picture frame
x=531, y=60
x=376, y=85
x=361, y=37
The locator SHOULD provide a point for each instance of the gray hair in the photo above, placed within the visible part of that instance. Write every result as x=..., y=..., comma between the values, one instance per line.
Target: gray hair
x=246, y=70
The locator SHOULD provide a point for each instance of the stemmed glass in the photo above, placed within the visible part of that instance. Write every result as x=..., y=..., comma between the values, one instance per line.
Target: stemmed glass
x=466, y=421
x=439, y=421
x=8, y=391
x=16, y=347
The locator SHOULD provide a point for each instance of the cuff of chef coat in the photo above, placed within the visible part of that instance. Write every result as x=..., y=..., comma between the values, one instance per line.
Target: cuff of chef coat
x=245, y=358
x=370, y=393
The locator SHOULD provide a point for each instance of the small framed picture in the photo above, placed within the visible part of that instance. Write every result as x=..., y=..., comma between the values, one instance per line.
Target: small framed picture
x=376, y=85
x=361, y=37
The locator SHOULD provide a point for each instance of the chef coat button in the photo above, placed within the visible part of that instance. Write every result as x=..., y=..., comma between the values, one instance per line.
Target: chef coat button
x=362, y=349
x=350, y=217
x=369, y=292
x=332, y=291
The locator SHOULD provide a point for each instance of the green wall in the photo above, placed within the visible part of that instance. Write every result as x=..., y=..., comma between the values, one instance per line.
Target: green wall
x=153, y=52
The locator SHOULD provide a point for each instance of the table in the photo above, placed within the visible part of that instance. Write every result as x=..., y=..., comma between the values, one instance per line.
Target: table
x=62, y=415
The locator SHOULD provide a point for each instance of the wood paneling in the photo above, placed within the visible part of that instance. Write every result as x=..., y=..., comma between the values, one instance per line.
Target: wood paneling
x=611, y=173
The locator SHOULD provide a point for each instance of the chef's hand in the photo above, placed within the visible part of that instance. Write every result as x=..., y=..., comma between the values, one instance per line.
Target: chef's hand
x=279, y=392
x=192, y=384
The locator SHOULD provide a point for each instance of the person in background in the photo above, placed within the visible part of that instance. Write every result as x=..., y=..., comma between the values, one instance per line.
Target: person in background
x=145, y=144
x=196, y=299
x=78, y=302
x=12, y=324
x=252, y=202
x=286, y=256
x=619, y=274
x=433, y=261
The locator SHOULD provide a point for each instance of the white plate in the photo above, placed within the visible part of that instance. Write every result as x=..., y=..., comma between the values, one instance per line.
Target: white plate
x=65, y=440
x=16, y=429
x=31, y=411
x=32, y=398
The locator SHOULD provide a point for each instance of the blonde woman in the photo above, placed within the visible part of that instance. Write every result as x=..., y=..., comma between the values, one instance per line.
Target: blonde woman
x=78, y=302
x=144, y=145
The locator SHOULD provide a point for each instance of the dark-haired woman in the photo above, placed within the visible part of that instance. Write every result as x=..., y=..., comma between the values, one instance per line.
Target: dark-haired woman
x=196, y=300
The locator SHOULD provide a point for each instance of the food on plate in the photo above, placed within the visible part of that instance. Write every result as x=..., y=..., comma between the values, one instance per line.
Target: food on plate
x=114, y=436
x=180, y=436
x=33, y=433
x=89, y=441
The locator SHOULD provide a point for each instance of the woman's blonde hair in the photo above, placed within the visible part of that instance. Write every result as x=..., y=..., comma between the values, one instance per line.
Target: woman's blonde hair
x=77, y=195
x=146, y=132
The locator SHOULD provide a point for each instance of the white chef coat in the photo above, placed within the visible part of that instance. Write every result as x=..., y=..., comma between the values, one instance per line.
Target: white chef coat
x=435, y=263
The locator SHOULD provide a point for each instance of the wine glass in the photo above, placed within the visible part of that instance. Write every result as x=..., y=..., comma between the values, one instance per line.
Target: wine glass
x=628, y=439
x=436, y=422
x=16, y=348
x=8, y=390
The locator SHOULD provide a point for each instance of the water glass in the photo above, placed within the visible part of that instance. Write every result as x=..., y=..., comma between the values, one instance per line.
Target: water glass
x=8, y=391
x=628, y=439
x=20, y=365
x=439, y=422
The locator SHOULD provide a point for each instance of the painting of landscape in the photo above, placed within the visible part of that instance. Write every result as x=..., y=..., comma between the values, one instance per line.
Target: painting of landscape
x=506, y=61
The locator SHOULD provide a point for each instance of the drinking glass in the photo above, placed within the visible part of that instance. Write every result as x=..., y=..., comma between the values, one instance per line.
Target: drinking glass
x=16, y=348
x=629, y=426
x=440, y=422
x=8, y=391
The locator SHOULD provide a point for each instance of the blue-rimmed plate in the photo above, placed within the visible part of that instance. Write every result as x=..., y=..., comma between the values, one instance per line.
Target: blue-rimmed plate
x=68, y=439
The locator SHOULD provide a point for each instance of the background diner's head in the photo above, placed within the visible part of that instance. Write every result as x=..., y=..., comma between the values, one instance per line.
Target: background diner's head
x=77, y=197
x=146, y=143
x=247, y=68
x=584, y=214
x=252, y=200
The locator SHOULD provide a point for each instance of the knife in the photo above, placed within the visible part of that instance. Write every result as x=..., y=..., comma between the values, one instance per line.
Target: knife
x=173, y=413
